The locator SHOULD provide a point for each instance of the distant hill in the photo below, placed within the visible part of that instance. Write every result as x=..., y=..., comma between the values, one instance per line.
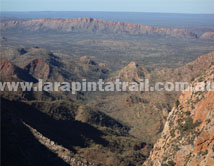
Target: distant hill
x=93, y=25
x=164, y=20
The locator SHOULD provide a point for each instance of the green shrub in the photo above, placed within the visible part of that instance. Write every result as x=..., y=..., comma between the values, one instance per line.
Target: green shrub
x=188, y=113
x=177, y=103
x=171, y=163
x=188, y=125
x=164, y=164
x=204, y=153
x=172, y=133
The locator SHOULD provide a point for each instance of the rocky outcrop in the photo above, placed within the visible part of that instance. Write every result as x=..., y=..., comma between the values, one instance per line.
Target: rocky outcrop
x=186, y=72
x=188, y=135
x=195, y=68
x=62, y=152
x=38, y=68
x=94, y=26
x=10, y=72
x=131, y=72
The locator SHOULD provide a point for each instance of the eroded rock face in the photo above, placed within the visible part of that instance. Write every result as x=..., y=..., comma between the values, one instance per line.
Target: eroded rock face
x=93, y=25
x=188, y=135
x=6, y=68
x=132, y=72
x=10, y=72
x=38, y=68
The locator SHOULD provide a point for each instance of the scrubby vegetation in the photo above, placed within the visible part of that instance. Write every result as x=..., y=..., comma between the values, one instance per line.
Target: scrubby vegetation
x=188, y=124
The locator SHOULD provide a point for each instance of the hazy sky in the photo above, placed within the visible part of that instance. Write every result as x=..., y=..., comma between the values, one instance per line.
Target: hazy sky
x=166, y=6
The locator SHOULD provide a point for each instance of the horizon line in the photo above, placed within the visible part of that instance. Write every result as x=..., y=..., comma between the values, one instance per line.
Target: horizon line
x=111, y=12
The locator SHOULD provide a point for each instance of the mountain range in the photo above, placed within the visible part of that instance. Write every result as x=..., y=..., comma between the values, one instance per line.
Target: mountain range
x=95, y=26
x=111, y=128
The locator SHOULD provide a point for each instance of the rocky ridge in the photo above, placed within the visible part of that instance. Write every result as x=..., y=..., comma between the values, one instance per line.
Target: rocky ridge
x=93, y=25
x=187, y=137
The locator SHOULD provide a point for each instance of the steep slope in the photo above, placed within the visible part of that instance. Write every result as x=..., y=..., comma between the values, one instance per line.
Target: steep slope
x=44, y=64
x=188, y=135
x=92, y=25
x=146, y=112
x=72, y=132
x=131, y=72
x=38, y=68
x=57, y=125
x=186, y=72
x=10, y=72
x=195, y=68
x=19, y=146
